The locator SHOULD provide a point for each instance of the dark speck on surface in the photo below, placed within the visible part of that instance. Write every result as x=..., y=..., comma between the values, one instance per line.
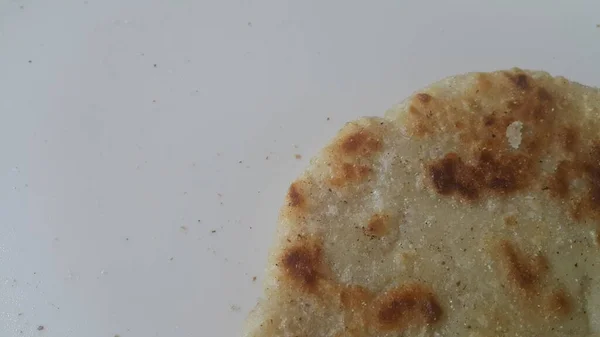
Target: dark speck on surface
x=30, y=61
x=298, y=156
x=40, y=327
x=155, y=65
x=213, y=231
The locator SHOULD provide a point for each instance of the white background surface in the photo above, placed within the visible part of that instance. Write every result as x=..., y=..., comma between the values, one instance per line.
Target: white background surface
x=122, y=121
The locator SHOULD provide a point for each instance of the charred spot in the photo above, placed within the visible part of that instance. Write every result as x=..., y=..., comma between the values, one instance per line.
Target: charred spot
x=409, y=305
x=377, y=226
x=559, y=182
x=559, y=303
x=569, y=139
x=361, y=143
x=521, y=81
x=302, y=263
x=489, y=120
x=295, y=197
x=450, y=175
x=445, y=175
x=423, y=97
x=524, y=271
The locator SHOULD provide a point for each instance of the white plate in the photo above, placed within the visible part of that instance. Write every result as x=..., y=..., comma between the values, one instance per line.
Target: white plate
x=131, y=130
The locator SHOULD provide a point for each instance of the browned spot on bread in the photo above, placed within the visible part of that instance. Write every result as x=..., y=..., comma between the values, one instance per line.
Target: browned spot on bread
x=406, y=306
x=423, y=97
x=489, y=120
x=559, y=303
x=484, y=164
x=302, y=263
x=524, y=271
x=510, y=221
x=350, y=173
x=377, y=226
x=294, y=196
x=559, y=182
x=350, y=155
x=506, y=174
x=520, y=80
x=355, y=297
x=569, y=139
x=361, y=143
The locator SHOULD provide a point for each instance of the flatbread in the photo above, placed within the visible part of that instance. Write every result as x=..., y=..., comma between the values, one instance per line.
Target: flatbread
x=470, y=209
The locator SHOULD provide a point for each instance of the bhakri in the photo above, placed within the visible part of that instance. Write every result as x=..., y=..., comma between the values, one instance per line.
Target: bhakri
x=471, y=209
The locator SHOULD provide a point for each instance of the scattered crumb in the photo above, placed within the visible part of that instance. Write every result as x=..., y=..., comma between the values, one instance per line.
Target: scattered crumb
x=171, y=259
x=213, y=231
x=328, y=118
x=199, y=221
x=297, y=156
x=254, y=279
x=30, y=61
x=20, y=314
x=40, y=327
x=239, y=162
x=235, y=308
x=267, y=158
x=183, y=228
x=155, y=65
x=220, y=195
x=126, y=239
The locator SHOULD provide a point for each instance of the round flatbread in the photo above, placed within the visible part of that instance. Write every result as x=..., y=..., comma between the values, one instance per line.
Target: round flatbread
x=470, y=209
